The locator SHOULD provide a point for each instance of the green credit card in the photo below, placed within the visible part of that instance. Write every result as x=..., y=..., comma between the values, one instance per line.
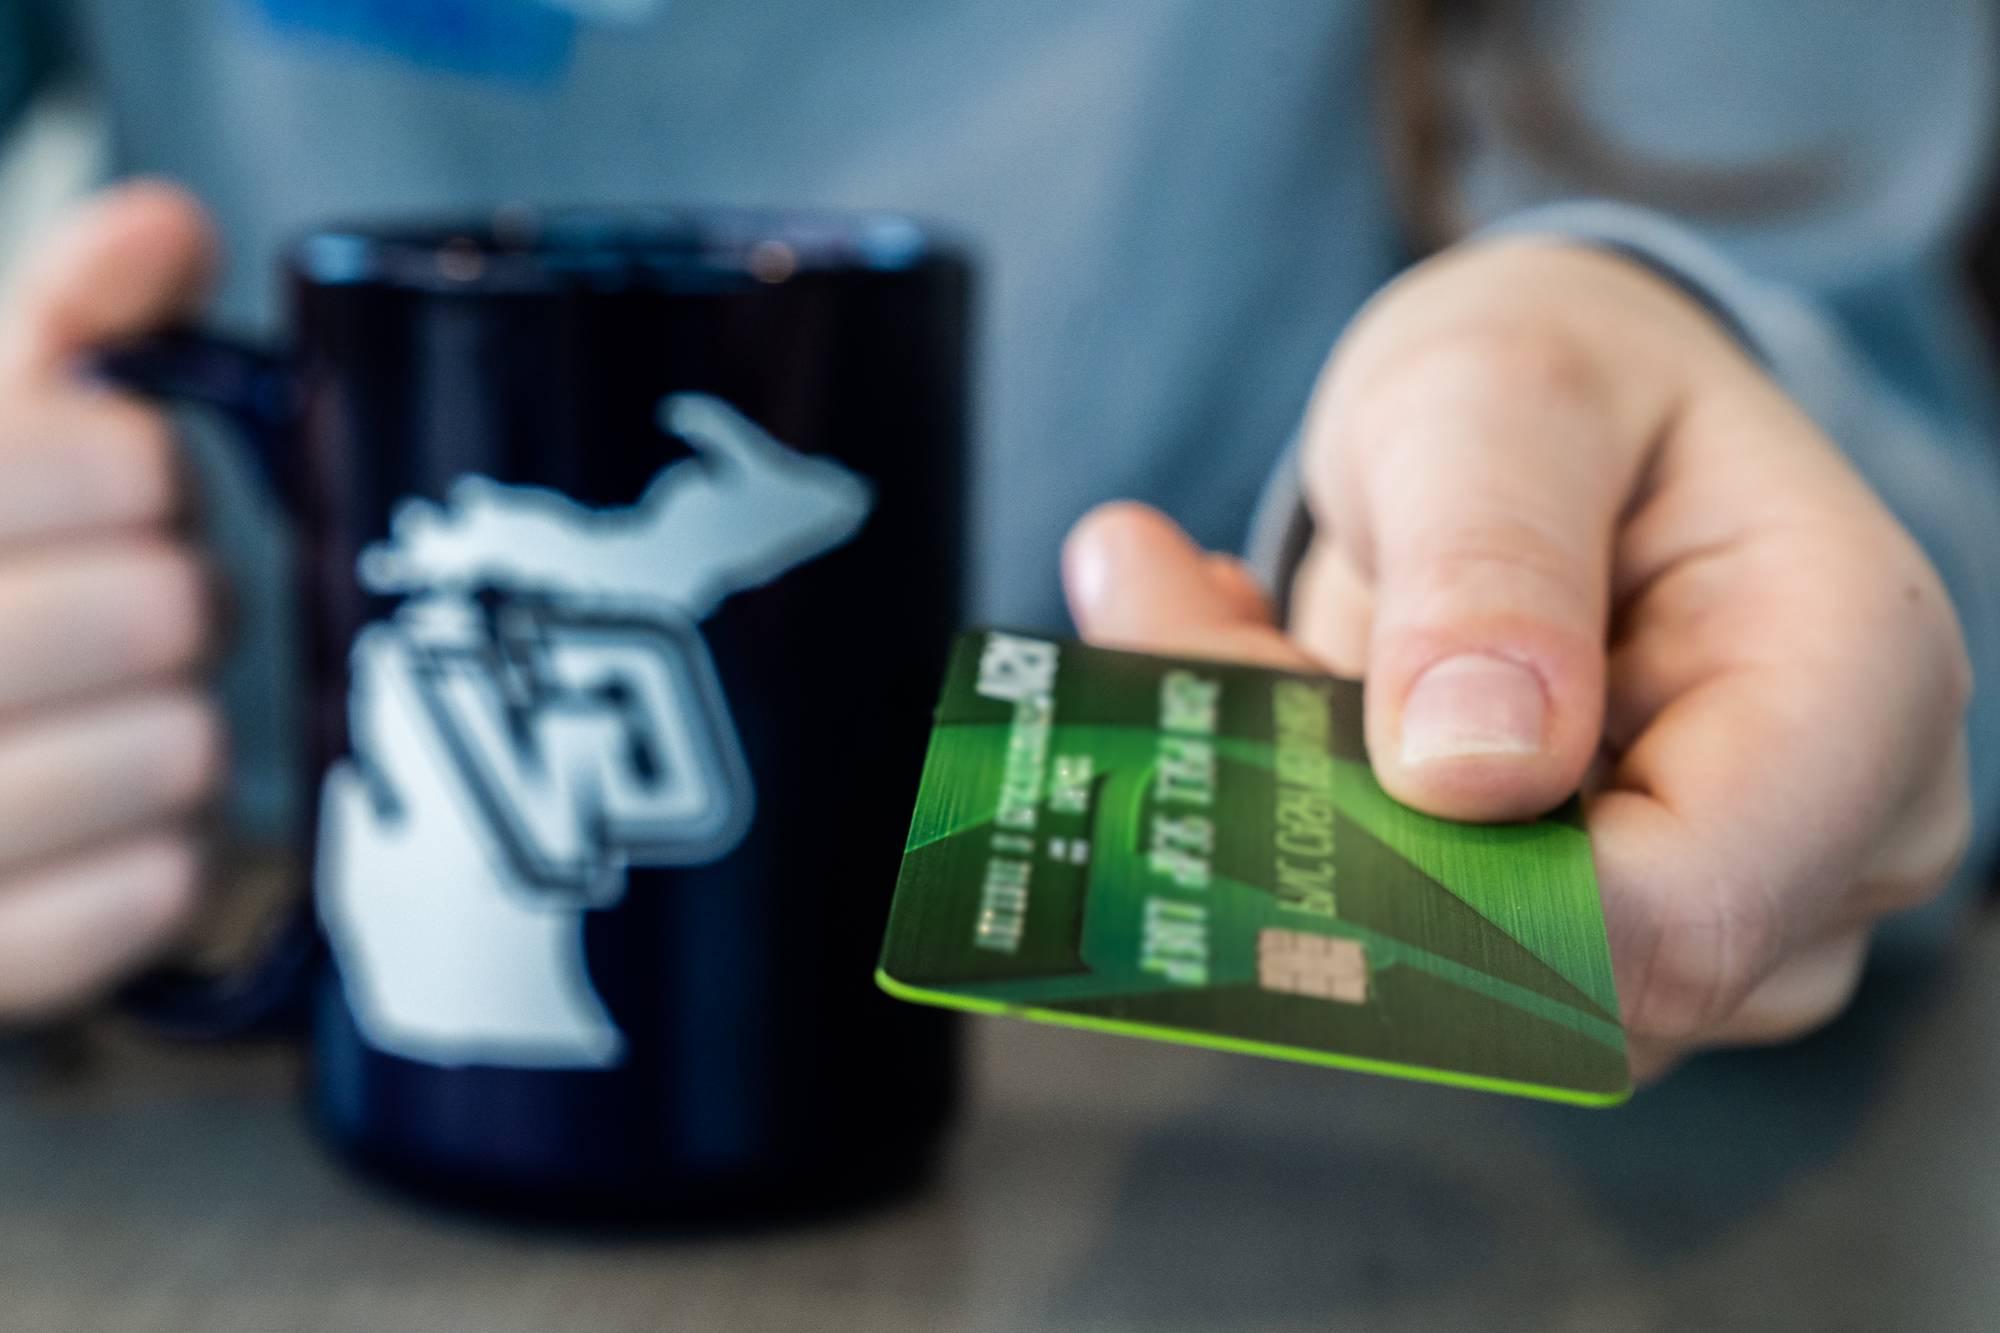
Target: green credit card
x=1198, y=852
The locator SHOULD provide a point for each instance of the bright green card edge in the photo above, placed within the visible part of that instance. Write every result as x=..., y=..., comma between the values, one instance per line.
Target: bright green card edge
x=1239, y=1046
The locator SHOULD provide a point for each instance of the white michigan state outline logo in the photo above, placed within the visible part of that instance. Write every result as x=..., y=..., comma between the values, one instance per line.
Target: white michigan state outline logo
x=539, y=714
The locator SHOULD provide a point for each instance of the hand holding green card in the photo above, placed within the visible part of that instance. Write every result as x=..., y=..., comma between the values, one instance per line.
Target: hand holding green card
x=1197, y=851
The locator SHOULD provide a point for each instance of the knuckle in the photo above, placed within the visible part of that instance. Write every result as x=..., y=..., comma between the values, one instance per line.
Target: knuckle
x=1963, y=683
x=1704, y=962
x=1888, y=896
x=1863, y=586
x=1814, y=1006
x=1908, y=593
x=1802, y=995
x=68, y=931
x=171, y=607
x=1932, y=623
x=1957, y=842
x=76, y=623
x=74, y=461
x=1953, y=841
x=1958, y=684
x=1505, y=571
x=1453, y=444
x=1533, y=366
x=193, y=743
x=1934, y=851
x=140, y=456
x=1510, y=546
x=1542, y=364
x=166, y=875
x=134, y=762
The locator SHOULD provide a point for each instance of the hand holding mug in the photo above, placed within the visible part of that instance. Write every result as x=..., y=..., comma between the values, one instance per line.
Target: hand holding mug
x=109, y=746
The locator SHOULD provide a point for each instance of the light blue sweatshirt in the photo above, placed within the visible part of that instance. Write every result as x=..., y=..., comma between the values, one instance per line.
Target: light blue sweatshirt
x=1179, y=204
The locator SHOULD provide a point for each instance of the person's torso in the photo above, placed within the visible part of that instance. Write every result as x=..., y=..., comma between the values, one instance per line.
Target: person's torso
x=1178, y=204
x=1175, y=205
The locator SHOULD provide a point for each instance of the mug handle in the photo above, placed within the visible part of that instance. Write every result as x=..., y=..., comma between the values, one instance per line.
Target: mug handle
x=257, y=392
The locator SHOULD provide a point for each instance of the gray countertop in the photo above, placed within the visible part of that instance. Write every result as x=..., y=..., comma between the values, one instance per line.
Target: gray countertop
x=1099, y=1183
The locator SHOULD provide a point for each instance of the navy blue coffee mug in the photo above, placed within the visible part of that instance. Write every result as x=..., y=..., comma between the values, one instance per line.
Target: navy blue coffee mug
x=631, y=546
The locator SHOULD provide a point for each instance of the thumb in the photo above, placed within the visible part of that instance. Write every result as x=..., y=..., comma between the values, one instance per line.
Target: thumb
x=1136, y=581
x=128, y=262
x=1482, y=495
